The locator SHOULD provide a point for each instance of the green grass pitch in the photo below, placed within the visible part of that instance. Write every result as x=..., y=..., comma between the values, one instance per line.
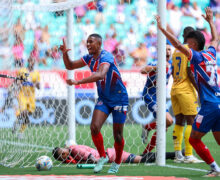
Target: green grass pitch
x=133, y=144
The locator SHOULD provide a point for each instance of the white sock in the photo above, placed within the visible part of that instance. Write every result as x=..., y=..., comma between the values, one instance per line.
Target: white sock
x=178, y=154
x=215, y=166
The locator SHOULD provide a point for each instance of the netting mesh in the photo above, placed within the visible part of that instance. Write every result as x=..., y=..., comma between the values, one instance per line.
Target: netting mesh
x=33, y=30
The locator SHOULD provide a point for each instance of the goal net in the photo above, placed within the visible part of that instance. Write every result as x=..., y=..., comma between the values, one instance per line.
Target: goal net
x=34, y=30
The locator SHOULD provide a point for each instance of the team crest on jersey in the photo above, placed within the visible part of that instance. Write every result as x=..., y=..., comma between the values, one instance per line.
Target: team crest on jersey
x=99, y=103
x=217, y=94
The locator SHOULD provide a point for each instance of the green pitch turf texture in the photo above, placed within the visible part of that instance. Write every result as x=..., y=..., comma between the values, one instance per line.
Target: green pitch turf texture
x=191, y=171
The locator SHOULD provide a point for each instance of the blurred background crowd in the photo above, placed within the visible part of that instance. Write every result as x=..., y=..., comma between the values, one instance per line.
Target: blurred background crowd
x=127, y=27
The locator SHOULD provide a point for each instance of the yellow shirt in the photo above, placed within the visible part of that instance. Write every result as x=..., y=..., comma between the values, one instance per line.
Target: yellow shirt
x=27, y=87
x=181, y=82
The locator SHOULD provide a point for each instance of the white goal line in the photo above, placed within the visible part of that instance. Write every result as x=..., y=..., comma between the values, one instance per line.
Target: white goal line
x=187, y=168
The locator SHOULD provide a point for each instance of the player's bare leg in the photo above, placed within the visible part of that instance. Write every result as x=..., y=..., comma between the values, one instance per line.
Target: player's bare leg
x=217, y=136
x=98, y=120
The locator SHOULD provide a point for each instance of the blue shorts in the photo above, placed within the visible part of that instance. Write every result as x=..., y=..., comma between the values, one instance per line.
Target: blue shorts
x=150, y=102
x=119, y=111
x=208, y=118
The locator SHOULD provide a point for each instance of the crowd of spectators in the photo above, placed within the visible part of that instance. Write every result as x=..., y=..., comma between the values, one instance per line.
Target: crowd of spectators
x=127, y=28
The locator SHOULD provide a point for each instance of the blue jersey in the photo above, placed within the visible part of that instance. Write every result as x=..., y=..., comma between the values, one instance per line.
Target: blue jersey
x=203, y=66
x=150, y=86
x=111, y=89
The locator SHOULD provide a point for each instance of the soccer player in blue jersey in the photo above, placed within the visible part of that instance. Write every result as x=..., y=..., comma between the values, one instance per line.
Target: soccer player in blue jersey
x=203, y=65
x=149, y=96
x=113, y=97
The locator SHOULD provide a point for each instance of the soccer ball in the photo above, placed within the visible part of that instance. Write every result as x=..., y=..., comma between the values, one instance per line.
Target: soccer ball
x=44, y=163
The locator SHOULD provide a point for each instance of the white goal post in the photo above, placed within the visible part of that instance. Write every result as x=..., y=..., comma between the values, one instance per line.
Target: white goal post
x=161, y=88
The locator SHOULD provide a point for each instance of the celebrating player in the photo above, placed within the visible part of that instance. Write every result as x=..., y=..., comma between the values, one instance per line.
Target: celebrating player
x=203, y=64
x=149, y=96
x=26, y=95
x=113, y=97
x=85, y=154
x=184, y=103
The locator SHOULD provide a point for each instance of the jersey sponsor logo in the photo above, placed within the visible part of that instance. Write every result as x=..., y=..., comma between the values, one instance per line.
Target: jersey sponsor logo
x=121, y=108
x=211, y=62
x=118, y=108
x=217, y=93
x=99, y=103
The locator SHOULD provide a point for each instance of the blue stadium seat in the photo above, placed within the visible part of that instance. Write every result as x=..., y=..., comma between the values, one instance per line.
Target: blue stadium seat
x=28, y=41
x=177, y=3
x=55, y=41
x=128, y=63
x=112, y=2
x=121, y=33
x=189, y=21
x=201, y=3
x=89, y=15
x=16, y=15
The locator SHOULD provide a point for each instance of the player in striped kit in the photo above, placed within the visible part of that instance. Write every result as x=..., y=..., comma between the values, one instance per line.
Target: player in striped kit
x=203, y=65
x=149, y=96
x=113, y=97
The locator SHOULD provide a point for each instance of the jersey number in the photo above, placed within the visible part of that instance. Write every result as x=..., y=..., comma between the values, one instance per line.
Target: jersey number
x=178, y=64
x=211, y=69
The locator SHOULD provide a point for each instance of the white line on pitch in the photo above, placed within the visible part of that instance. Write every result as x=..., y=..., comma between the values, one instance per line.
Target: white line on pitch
x=25, y=144
x=188, y=168
x=178, y=167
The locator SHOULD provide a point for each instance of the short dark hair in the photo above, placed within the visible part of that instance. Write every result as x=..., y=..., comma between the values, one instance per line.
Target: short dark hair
x=55, y=153
x=96, y=36
x=187, y=30
x=199, y=37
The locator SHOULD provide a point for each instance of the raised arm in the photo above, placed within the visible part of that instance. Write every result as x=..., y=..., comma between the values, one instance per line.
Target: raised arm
x=70, y=65
x=173, y=40
x=209, y=18
x=99, y=75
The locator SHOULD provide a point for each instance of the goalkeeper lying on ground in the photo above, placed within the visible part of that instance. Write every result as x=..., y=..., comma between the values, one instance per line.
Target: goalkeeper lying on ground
x=85, y=154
